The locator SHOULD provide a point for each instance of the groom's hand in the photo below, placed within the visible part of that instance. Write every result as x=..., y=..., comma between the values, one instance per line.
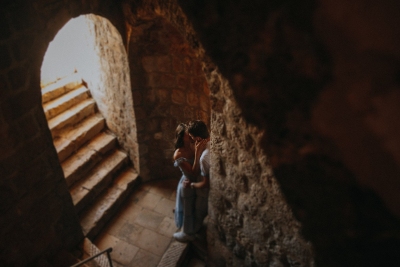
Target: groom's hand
x=186, y=183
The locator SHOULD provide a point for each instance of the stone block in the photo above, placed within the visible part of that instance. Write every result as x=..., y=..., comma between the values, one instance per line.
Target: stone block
x=61, y=104
x=178, y=97
x=5, y=31
x=126, y=179
x=149, y=219
x=152, y=241
x=9, y=195
x=20, y=104
x=152, y=125
x=198, y=70
x=137, y=97
x=150, y=96
x=188, y=65
x=163, y=95
x=164, y=64
x=168, y=80
x=205, y=103
x=143, y=149
x=13, y=140
x=124, y=253
x=20, y=52
x=192, y=99
x=153, y=80
x=102, y=174
x=217, y=104
x=10, y=165
x=72, y=116
x=27, y=17
x=189, y=113
x=176, y=112
x=204, y=116
x=206, y=88
x=5, y=58
x=184, y=82
x=198, y=84
x=60, y=87
x=78, y=164
x=162, y=80
x=103, y=143
x=177, y=64
x=140, y=114
x=30, y=126
x=33, y=148
x=3, y=87
x=19, y=77
x=150, y=63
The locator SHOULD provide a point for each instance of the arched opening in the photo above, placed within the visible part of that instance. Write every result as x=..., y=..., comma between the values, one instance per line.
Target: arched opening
x=88, y=104
x=91, y=47
x=169, y=86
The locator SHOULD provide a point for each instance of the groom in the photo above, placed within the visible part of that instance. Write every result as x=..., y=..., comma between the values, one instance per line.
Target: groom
x=198, y=132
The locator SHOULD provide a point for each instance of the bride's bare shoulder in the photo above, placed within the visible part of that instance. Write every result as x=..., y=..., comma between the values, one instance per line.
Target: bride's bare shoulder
x=177, y=154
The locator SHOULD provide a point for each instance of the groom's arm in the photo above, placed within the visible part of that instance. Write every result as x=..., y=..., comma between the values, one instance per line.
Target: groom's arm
x=205, y=172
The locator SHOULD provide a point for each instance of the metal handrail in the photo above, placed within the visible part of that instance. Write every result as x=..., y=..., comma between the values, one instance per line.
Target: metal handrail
x=94, y=256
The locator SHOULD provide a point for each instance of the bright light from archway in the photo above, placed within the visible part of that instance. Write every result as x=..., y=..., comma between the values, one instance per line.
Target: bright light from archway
x=72, y=50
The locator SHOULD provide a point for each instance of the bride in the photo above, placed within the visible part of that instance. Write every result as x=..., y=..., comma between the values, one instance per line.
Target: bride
x=186, y=158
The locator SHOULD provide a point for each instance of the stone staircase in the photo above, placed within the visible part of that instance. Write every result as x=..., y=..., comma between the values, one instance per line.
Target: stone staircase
x=98, y=173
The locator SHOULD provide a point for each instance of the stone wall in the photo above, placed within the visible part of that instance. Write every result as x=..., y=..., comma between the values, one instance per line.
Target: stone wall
x=250, y=223
x=320, y=79
x=37, y=214
x=168, y=87
x=110, y=86
x=316, y=88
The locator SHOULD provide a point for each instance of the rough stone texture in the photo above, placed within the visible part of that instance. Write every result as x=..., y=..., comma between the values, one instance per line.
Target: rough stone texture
x=111, y=87
x=320, y=79
x=168, y=87
x=38, y=217
x=316, y=83
x=250, y=223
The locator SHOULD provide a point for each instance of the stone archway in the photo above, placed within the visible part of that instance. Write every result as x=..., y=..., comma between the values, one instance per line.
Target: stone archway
x=92, y=47
x=89, y=109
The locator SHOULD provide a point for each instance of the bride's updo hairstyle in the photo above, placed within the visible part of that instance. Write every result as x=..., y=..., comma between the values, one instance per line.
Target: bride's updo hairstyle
x=179, y=134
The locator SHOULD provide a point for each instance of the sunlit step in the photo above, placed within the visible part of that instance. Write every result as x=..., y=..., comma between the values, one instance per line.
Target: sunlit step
x=72, y=116
x=61, y=87
x=61, y=104
x=106, y=206
x=80, y=163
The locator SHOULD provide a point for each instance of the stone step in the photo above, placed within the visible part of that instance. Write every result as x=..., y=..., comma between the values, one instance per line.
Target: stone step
x=176, y=255
x=64, y=102
x=98, y=179
x=69, y=140
x=87, y=157
x=89, y=250
x=94, y=219
x=72, y=116
x=61, y=87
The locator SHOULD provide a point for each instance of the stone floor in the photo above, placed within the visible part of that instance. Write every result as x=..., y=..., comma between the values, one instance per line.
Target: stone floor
x=142, y=231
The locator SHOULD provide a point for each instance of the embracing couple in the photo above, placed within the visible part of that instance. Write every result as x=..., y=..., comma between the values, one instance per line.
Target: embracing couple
x=192, y=157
